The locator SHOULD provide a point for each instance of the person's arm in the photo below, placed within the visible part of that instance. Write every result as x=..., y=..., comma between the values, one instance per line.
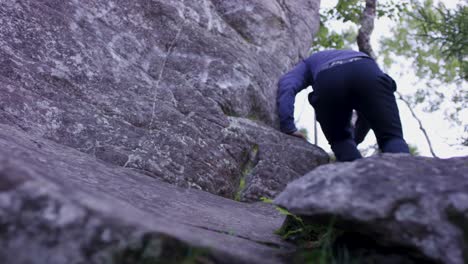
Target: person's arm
x=288, y=86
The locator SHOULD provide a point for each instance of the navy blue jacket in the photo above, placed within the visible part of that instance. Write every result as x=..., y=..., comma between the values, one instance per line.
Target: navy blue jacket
x=302, y=76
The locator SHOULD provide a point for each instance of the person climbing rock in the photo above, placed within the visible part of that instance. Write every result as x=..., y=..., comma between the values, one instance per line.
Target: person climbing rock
x=343, y=81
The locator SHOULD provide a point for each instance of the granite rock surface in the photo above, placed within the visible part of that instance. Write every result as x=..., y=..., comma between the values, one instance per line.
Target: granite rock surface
x=123, y=122
x=59, y=205
x=152, y=85
x=416, y=206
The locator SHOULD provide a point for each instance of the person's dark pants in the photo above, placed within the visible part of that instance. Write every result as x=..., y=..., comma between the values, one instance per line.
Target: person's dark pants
x=362, y=86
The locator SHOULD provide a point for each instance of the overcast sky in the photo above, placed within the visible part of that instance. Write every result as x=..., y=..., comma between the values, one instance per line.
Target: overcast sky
x=442, y=133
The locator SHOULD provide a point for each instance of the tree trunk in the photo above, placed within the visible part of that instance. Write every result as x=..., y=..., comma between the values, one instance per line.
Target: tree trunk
x=367, y=27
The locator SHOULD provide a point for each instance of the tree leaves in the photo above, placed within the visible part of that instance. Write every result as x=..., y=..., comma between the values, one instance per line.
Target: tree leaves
x=351, y=10
x=436, y=37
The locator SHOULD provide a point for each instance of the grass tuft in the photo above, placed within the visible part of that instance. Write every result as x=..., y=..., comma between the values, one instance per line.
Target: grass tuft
x=316, y=242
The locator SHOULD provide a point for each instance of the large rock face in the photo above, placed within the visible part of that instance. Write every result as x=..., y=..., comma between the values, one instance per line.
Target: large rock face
x=415, y=204
x=59, y=205
x=150, y=84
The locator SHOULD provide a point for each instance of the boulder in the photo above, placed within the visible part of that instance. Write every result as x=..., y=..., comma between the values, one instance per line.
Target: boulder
x=414, y=206
x=59, y=205
x=151, y=84
x=273, y=160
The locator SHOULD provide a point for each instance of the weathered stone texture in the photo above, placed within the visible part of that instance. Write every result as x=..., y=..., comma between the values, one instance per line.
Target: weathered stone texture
x=273, y=160
x=149, y=84
x=399, y=202
x=58, y=205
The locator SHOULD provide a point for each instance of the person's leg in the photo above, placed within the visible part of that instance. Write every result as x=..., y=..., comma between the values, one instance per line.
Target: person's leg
x=333, y=109
x=361, y=128
x=375, y=100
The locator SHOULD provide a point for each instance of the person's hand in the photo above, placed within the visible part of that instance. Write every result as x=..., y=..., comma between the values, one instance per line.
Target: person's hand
x=298, y=134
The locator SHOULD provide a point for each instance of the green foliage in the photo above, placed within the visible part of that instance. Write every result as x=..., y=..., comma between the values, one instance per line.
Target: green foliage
x=304, y=132
x=329, y=39
x=294, y=229
x=349, y=11
x=447, y=30
x=435, y=36
x=315, y=241
x=306, y=235
x=413, y=150
x=240, y=189
x=251, y=159
x=391, y=9
x=266, y=200
x=435, y=39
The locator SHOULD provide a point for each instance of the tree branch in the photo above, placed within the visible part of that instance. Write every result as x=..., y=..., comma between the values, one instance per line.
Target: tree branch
x=400, y=96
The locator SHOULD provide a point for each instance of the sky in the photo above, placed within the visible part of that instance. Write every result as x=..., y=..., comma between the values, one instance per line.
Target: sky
x=443, y=134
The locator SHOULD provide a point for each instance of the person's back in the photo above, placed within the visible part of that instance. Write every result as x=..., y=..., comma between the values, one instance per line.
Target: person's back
x=344, y=80
x=319, y=60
